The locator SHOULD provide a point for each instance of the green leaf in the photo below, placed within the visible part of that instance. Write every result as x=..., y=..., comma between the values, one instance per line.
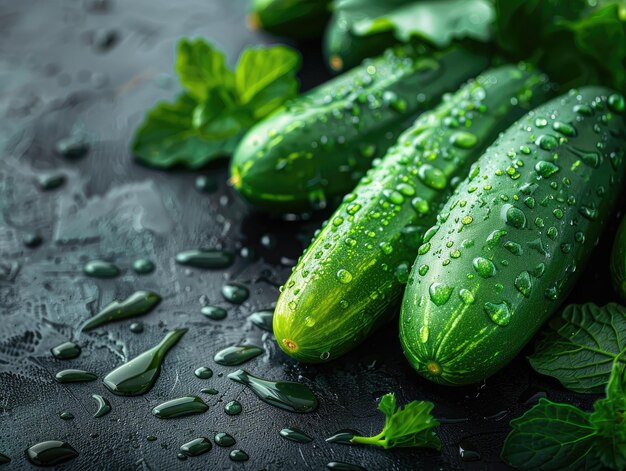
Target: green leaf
x=551, y=436
x=579, y=346
x=202, y=68
x=609, y=420
x=167, y=137
x=437, y=21
x=410, y=426
x=265, y=78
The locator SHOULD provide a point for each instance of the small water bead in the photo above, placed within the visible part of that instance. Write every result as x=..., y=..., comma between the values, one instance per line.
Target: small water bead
x=143, y=266
x=104, y=406
x=353, y=208
x=74, y=376
x=513, y=247
x=344, y=276
x=424, y=248
x=66, y=415
x=493, y=239
x=236, y=355
x=66, y=351
x=211, y=391
x=432, y=177
x=552, y=232
x=525, y=150
x=50, y=453
x=423, y=269
x=420, y=205
x=137, y=304
x=455, y=253
x=196, y=447
x=541, y=122
x=566, y=248
x=32, y=240
x=337, y=221
x=406, y=189
x=440, y=293
x=513, y=216
x=100, y=269
x=386, y=247
x=224, y=439
x=214, y=313
x=204, y=372
x=394, y=196
x=467, y=220
x=564, y=128
x=523, y=283
x=235, y=293
x=529, y=201
x=616, y=102
x=151, y=438
x=262, y=319
x=579, y=237
x=498, y=313
x=484, y=267
x=180, y=406
x=463, y=140
x=588, y=212
x=466, y=296
x=583, y=109
x=295, y=435
x=551, y=293
x=51, y=181
x=136, y=327
x=546, y=169
x=238, y=455
x=205, y=184
x=547, y=142
x=74, y=146
x=341, y=466
x=233, y=408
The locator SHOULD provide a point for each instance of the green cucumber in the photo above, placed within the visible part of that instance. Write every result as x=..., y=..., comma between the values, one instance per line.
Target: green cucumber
x=355, y=269
x=344, y=50
x=618, y=261
x=512, y=240
x=318, y=146
x=297, y=19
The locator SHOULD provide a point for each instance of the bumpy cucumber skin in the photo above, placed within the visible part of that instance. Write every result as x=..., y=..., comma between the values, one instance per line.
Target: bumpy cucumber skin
x=298, y=19
x=518, y=278
x=618, y=261
x=344, y=50
x=355, y=269
x=319, y=145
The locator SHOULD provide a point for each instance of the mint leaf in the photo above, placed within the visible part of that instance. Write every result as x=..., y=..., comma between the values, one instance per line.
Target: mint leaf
x=168, y=137
x=264, y=77
x=219, y=106
x=408, y=426
x=202, y=68
x=609, y=420
x=551, y=436
x=579, y=346
x=438, y=22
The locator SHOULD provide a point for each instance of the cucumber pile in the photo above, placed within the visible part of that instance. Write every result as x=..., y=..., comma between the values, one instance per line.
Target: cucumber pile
x=471, y=211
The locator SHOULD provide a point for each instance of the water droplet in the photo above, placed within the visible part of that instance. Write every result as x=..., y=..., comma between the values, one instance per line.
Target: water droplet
x=294, y=397
x=466, y=296
x=66, y=351
x=104, y=406
x=203, y=372
x=424, y=333
x=406, y=189
x=341, y=466
x=394, y=196
x=546, y=169
x=212, y=259
x=205, y=184
x=564, y=128
x=233, y=408
x=484, y=267
x=423, y=269
x=344, y=276
x=616, y=103
x=343, y=436
x=137, y=304
x=50, y=453
x=74, y=376
x=513, y=216
x=420, y=205
x=100, y=269
x=214, y=313
x=468, y=452
x=4, y=459
x=551, y=293
x=235, y=293
x=238, y=455
x=584, y=110
x=196, y=447
x=467, y=220
x=513, y=247
x=136, y=327
x=143, y=266
x=66, y=415
x=523, y=283
x=498, y=313
x=463, y=139
x=295, y=435
x=432, y=177
x=547, y=142
x=180, y=406
x=211, y=391
x=51, y=181
x=139, y=374
x=589, y=212
x=262, y=319
x=236, y=355
x=224, y=439
x=440, y=293
x=32, y=240
x=72, y=147
x=493, y=239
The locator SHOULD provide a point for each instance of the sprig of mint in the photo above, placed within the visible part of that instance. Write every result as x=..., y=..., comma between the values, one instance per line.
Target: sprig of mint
x=580, y=346
x=218, y=106
x=553, y=436
x=408, y=426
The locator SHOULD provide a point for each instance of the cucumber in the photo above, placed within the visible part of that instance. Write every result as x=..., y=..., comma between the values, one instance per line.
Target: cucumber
x=618, y=261
x=344, y=50
x=299, y=19
x=511, y=241
x=318, y=146
x=356, y=268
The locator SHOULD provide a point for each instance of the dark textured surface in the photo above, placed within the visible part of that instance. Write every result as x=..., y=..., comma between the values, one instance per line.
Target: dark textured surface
x=54, y=79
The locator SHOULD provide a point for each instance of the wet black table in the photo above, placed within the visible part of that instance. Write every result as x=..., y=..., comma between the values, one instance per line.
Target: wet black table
x=94, y=67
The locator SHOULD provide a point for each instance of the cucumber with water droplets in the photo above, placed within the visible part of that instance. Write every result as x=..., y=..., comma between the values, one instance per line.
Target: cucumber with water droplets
x=355, y=270
x=320, y=144
x=511, y=241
